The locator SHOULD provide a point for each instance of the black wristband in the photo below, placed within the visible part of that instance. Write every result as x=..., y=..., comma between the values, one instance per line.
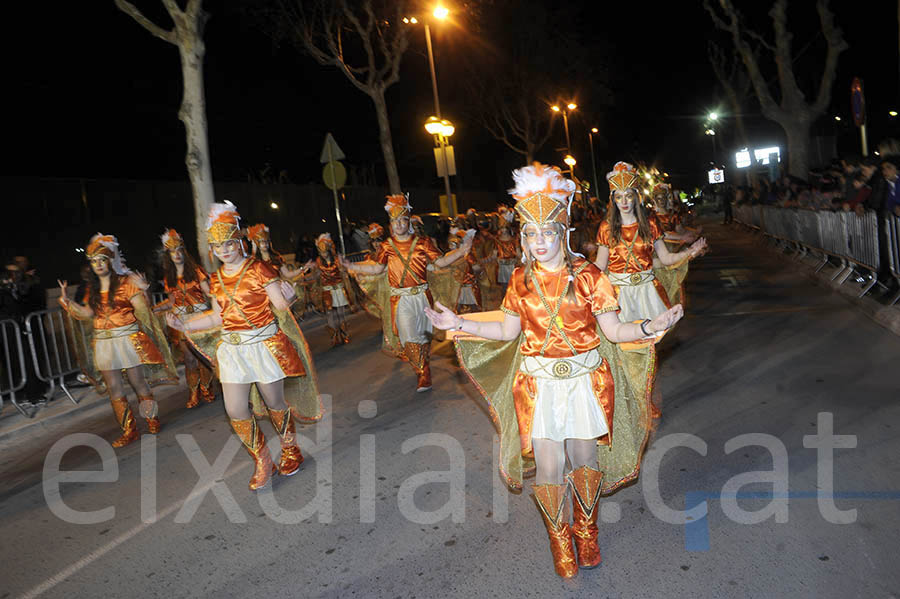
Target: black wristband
x=643, y=329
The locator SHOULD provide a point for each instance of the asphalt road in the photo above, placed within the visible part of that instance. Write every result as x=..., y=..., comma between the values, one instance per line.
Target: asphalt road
x=399, y=496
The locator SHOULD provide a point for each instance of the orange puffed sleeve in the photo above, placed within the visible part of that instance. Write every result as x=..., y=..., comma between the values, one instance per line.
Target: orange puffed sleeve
x=603, y=234
x=510, y=304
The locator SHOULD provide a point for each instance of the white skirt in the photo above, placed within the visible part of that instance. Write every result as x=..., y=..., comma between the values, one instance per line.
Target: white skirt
x=567, y=408
x=338, y=298
x=249, y=361
x=466, y=295
x=505, y=270
x=637, y=302
x=412, y=324
x=114, y=350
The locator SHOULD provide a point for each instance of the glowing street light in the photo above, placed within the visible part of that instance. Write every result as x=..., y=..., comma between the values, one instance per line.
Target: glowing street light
x=440, y=12
x=570, y=160
x=593, y=161
x=554, y=108
x=273, y=205
x=713, y=116
x=837, y=118
x=571, y=105
x=893, y=113
x=565, y=112
x=594, y=130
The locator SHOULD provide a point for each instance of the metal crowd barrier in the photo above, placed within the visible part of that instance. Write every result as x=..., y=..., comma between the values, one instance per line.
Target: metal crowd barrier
x=357, y=256
x=157, y=297
x=12, y=368
x=845, y=236
x=50, y=349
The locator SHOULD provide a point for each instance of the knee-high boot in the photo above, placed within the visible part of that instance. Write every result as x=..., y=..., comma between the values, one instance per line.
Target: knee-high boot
x=125, y=418
x=419, y=357
x=192, y=376
x=291, y=458
x=206, y=384
x=585, y=483
x=551, y=501
x=255, y=442
x=153, y=425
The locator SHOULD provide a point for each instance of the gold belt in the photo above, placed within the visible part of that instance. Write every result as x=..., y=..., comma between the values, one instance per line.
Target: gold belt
x=191, y=308
x=635, y=278
x=123, y=331
x=561, y=368
x=247, y=336
x=409, y=290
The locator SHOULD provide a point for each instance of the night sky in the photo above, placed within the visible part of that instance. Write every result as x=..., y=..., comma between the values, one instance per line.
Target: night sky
x=95, y=95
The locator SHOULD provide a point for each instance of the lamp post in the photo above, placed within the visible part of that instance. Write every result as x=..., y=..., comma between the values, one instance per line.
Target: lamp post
x=442, y=129
x=565, y=112
x=712, y=133
x=593, y=162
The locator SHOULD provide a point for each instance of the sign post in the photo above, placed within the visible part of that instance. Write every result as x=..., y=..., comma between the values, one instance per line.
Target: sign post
x=858, y=106
x=335, y=176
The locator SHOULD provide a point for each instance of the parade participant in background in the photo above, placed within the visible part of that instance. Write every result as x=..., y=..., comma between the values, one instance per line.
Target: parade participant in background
x=187, y=287
x=419, y=229
x=376, y=237
x=508, y=248
x=555, y=386
x=626, y=241
x=465, y=271
x=336, y=292
x=484, y=248
x=669, y=220
x=401, y=298
x=125, y=336
x=256, y=345
x=261, y=242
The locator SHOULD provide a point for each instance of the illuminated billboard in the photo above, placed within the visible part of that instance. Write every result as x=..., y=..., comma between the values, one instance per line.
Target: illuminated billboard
x=761, y=155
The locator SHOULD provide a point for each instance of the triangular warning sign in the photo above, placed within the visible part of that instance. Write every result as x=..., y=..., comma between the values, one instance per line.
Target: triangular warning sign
x=330, y=150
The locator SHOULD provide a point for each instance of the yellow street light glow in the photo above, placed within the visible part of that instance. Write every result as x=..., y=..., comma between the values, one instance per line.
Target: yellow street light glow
x=665, y=174
x=414, y=20
x=713, y=116
x=893, y=113
x=572, y=106
x=447, y=128
x=594, y=130
x=837, y=118
x=570, y=160
x=433, y=125
x=441, y=12
x=406, y=20
x=554, y=108
x=273, y=205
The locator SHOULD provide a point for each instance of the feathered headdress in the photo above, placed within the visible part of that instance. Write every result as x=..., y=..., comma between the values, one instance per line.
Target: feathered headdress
x=108, y=247
x=398, y=205
x=324, y=242
x=258, y=232
x=662, y=187
x=543, y=196
x=375, y=230
x=622, y=177
x=171, y=240
x=224, y=222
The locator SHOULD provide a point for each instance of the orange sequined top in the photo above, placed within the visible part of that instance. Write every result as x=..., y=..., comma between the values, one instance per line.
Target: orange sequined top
x=594, y=295
x=187, y=294
x=244, y=294
x=330, y=274
x=629, y=254
x=119, y=312
x=668, y=221
x=399, y=275
x=507, y=248
x=465, y=276
x=483, y=245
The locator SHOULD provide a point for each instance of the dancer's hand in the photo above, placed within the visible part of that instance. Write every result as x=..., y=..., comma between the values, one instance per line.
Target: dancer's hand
x=175, y=322
x=63, y=296
x=666, y=319
x=445, y=319
x=140, y=280
x=287, y=290
x=698, y=247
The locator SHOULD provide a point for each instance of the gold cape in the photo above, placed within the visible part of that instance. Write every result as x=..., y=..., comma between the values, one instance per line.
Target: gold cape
x=81, y=335
x=672, y=278
x=300, y=392
x=492, y=366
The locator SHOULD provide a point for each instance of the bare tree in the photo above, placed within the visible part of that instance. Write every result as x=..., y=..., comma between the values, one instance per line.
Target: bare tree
x=734, y=81
x=187, y=36
x=364, y=39
x=793, y=112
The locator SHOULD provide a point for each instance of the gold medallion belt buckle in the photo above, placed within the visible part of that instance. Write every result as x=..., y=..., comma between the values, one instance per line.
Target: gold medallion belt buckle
x=414, y=291
x=234, y=339
x=635, y=278
x=562, y=369
x=190, y=309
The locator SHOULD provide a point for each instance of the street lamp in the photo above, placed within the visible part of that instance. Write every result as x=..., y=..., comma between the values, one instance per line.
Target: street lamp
x=713, y=116
x=565, y=112
x=442, y=129
x=570, y=160
x=712, y=133
x=593, y=162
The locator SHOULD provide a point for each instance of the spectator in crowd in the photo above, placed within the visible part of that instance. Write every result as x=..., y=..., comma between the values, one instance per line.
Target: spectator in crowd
x=859, y=194
x=876, y=199
x=889, y=170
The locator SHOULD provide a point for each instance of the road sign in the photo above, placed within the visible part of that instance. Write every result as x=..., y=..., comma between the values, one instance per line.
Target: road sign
x=330, y=151
x=335, y=175
x=858, y=102
x=716, y=175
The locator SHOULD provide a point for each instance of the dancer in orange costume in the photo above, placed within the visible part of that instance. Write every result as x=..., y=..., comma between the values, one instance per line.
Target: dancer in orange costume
x=336, y=290
x=256, y=345
x=126, y=336
x=563, y=390
x=187, y=288
x=507, y=248
x=261, y=243
x=405, y=258
x=465, y=272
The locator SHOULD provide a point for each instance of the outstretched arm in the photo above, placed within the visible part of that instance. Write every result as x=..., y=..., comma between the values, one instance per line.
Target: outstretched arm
x=363, y=269
x=668, y=258
x=444, y=318
x=451, y=257
x=207, y=320
x=623, y=332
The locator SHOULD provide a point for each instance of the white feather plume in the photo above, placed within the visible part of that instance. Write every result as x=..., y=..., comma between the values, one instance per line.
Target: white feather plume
x=531, y=179
x=219, y=208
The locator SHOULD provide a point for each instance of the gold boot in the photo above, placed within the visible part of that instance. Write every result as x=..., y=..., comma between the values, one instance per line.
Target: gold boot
x=255, y=442
x=207, y=394
x=125, y=418
x=153, y=425
x=291, y=458
x=192, y=376
x=551, y=501
x=585, y=483
x=418, y=355
x=344, y=336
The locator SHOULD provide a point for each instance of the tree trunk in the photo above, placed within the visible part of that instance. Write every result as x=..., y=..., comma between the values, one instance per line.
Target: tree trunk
x=387, y=142
x=798, y=147
x=193, y=115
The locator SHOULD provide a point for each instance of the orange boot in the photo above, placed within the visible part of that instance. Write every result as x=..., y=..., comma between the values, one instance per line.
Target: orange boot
x=419, y=357
x=153, y=425
x=255, y=442
x=291, y=458
x=206, y=385
x=551, y=501
x=335, y=336
x=192, y=376
x=585, y=483
x=345, y=337
x=125, y=418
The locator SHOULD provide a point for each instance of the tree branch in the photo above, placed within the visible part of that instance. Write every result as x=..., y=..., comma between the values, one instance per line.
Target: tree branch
x=131, y=10
x=836, y=44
